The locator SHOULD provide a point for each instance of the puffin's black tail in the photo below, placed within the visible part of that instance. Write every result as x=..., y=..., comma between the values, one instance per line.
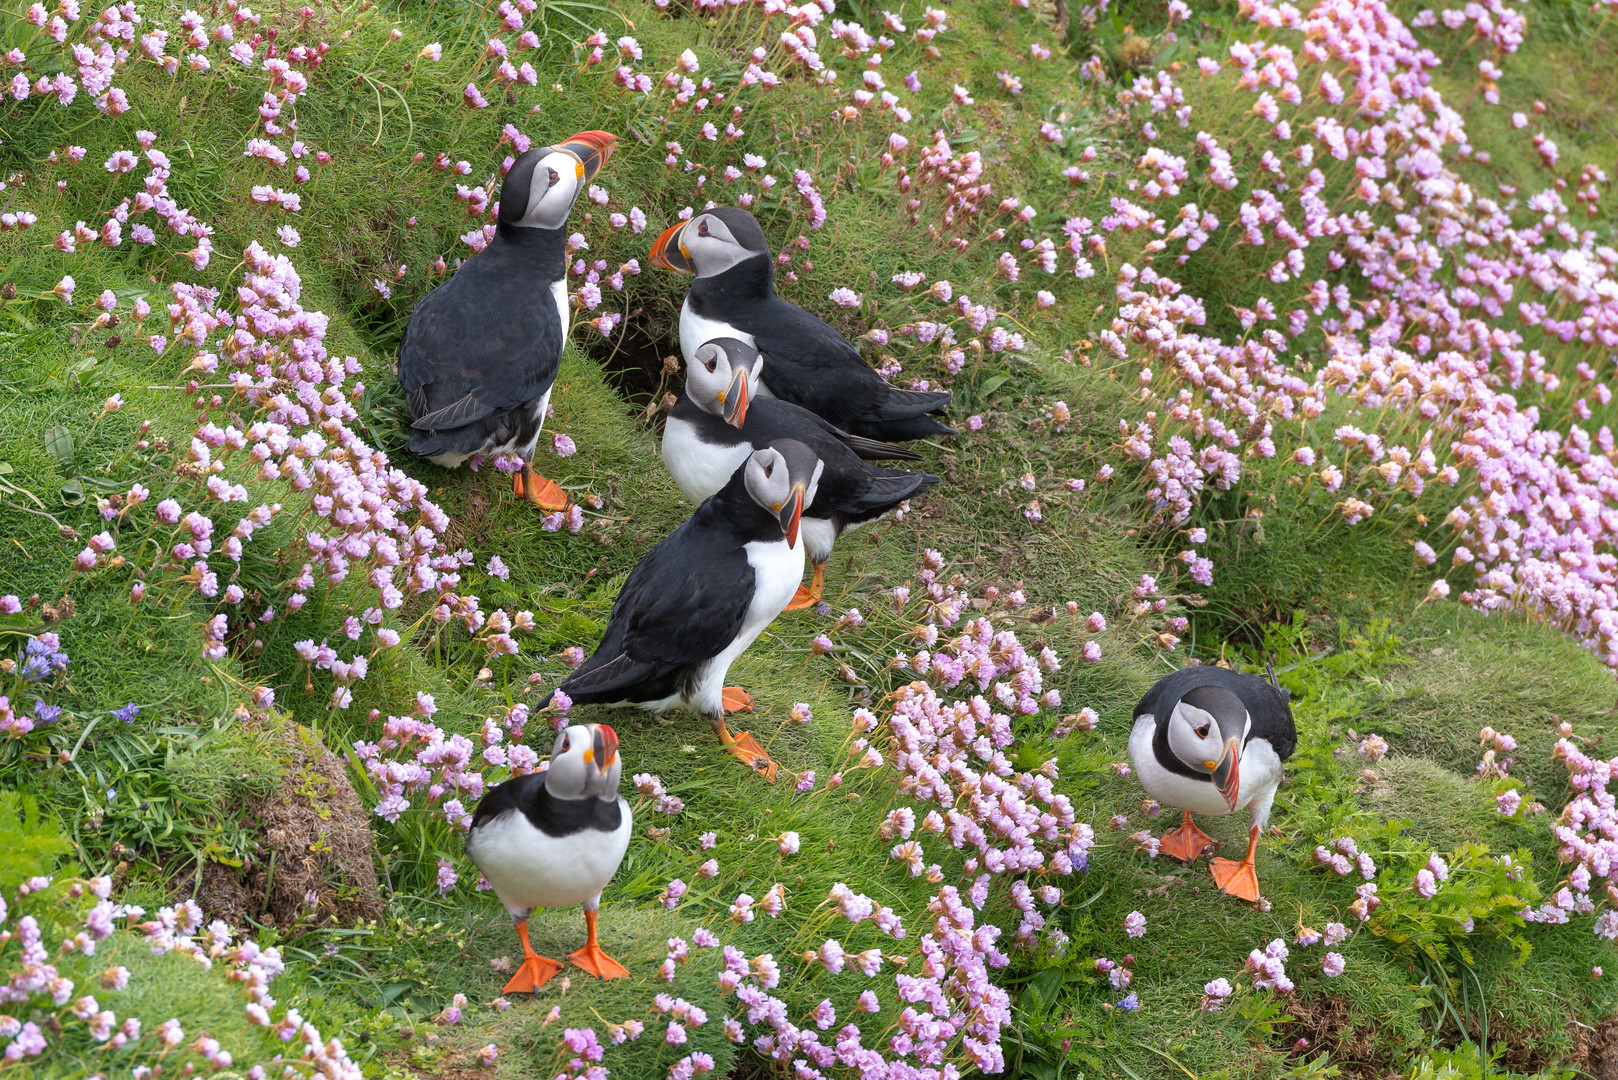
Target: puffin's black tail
x=900, y=429
x=903, y=403
x=886, y=490
x=874, y=450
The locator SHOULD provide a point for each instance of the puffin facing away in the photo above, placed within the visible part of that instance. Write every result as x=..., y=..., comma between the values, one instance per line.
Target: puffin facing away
x=698, y=599
x=555, y=838
x=717, y=425
x=808, y=363
x=1211, y=741
x=480, y=355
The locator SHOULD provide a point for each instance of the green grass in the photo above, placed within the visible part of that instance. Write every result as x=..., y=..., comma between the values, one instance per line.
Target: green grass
x=1363, y=656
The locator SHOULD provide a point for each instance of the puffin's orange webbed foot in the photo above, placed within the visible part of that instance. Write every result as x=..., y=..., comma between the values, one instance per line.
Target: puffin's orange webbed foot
x=1187, y=842
x=593, y=960
x=746, y=749
x=736, y=699
x=536, y=970
x=543, y=493
x=1238, y=879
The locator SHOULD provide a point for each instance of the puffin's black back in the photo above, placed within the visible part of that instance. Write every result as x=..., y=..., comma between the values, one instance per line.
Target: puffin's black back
x=550, y=815
x=487, y=341
x=683, y=603
x=809, y=363
x=1268, y=706
x=851, y=489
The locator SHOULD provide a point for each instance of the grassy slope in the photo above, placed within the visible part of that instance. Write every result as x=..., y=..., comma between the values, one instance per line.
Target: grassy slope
x=1429, y=705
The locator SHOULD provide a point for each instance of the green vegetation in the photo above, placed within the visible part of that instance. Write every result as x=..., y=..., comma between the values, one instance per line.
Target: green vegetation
x=239, y=781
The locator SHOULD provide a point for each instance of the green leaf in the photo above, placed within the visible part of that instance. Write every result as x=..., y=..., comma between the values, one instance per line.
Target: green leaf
x=59, y=443
x=73, y=492
x=992, y=384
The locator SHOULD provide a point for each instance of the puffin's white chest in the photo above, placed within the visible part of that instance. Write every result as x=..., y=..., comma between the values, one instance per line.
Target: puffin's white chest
x=696, y=329
x=530, y=869
x=564, y=309
x=699, y=468
x=1260, y=775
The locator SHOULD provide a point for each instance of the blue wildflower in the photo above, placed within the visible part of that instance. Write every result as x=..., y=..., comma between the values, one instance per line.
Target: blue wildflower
x=1130, y=1002
x=46, y=714
x=42, y=657
x=128, y=713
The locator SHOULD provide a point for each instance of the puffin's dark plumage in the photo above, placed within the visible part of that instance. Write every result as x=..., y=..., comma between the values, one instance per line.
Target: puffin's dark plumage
x=552, y=816
x=485, y=345
x=718, y=422
x=481, y=351
x=807, y=362
x=699, y=598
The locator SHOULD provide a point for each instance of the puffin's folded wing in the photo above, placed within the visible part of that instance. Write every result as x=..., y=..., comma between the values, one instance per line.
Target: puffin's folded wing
x=680, y=606
x=808, y=362
x=887, y=488
x=685, y=601
x=1272, y=719
x=464, y=357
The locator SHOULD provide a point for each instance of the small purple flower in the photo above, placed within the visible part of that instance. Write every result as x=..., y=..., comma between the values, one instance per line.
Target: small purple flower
x=1130, y=1003
x=1135, y=924
x=128, y=713
x=1332, y=965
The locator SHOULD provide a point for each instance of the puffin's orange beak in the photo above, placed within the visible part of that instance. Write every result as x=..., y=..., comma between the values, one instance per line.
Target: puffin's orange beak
x=791, y=514
x=734, y=399
x=669, y=252
x=606, y=747
x=592, y=148
x=1227, y=772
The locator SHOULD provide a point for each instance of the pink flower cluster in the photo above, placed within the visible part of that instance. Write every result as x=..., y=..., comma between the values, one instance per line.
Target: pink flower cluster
x=30, y=978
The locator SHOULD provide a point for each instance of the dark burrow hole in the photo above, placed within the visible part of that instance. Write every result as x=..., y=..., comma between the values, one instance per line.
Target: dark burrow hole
x=632, y=358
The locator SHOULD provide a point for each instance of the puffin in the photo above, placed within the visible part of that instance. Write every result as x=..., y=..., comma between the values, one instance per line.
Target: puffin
x=1210, y=740
x=480, y=354
x=697, y=600
x=553, y=839
x=717, y=424
x=808, y=362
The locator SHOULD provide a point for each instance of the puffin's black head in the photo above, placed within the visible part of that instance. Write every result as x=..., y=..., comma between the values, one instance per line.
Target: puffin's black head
x=1207, y=731
x=711, y=242
x=783, y=478
x=544, y=181
x=585, y=763
x=718, y=375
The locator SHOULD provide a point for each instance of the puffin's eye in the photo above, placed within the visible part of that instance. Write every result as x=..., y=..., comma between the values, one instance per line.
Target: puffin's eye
x=555, y=176
x=1202, y=732
x=710, y=363
x=769, y=470
x=702, y=227
x=567, y=744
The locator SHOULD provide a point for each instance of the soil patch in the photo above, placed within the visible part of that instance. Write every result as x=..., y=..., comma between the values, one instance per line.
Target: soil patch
x=317, y=865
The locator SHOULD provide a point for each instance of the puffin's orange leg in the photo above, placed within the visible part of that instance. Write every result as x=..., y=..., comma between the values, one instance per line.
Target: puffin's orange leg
x=536, y=970
x=1239, y=879
x=516, y=484
x=808, y=598
x=745, y=749
x=1187, y=842
x=543, y=493
x=592, y=959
